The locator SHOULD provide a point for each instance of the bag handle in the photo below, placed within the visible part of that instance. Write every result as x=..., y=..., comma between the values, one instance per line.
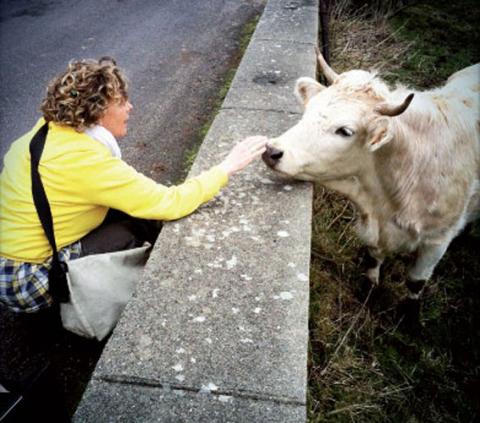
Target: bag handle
x=57, y=276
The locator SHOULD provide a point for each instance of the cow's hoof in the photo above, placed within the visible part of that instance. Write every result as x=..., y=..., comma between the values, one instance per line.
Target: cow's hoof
x=415, y=288
x=374, y=275
x=365, y=259
x=408, y=312
x=363, y=288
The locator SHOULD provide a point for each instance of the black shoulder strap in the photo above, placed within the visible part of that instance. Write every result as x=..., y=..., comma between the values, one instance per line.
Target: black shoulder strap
x=58, y=286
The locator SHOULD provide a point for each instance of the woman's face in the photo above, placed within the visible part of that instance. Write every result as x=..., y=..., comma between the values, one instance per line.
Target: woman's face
x=116, y=117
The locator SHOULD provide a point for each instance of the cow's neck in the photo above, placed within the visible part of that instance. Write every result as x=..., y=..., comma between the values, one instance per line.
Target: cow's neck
x=365, y=190
x=368, y=194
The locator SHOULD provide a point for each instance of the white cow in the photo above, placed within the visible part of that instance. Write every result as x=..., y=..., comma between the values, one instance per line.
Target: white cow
x=409, y=160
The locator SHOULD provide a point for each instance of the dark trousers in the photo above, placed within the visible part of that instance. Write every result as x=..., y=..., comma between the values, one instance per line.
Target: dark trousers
x=119, y=231
x=42, y=363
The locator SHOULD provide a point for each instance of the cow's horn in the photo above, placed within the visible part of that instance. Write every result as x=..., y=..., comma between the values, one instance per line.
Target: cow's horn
x=329, y=73
x=394, y=109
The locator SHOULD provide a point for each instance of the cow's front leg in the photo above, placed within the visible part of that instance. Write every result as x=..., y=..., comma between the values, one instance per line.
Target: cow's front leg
x=428, y=257
x=374, y=262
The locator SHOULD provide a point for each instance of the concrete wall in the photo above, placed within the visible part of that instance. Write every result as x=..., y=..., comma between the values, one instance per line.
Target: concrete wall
x=218, y=329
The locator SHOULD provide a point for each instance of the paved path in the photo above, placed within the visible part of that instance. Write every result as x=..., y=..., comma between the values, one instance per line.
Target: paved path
x=218, y=328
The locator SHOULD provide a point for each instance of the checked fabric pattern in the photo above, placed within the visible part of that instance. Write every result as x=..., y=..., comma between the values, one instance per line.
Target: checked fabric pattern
x=24, y=286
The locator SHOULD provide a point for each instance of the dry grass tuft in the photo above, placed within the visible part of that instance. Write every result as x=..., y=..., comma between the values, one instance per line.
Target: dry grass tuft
x=365, y=40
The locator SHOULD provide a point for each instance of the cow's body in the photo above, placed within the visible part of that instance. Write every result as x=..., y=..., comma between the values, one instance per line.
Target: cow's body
x=413, y=170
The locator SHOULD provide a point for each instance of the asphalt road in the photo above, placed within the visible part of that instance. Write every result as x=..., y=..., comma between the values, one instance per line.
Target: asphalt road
x=175, y=54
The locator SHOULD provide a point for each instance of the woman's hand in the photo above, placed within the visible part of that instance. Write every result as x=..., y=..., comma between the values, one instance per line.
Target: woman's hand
x=244, y=153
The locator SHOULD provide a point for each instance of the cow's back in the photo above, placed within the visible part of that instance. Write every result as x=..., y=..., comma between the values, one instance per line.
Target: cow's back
x=435, y=187
x=463, y=89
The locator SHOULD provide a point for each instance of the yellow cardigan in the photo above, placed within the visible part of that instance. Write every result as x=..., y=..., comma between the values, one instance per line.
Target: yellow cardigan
x=82, y=181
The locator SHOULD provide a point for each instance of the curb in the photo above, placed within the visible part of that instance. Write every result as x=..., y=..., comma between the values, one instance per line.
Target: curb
x=218, y=329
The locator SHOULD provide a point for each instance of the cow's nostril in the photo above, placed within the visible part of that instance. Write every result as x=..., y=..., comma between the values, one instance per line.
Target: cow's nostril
x=272, y=156
x=277, y=155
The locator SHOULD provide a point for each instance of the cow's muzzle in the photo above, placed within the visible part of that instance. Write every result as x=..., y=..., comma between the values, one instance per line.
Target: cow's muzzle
x=272, y=156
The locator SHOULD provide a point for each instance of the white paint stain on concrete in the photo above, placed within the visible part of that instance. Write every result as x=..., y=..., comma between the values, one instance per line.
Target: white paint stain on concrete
x=235, y=310
x=286, y=295
x=178, y=367
x=292, y=265
x=145, y=341
x=257, y=310
x=217, y=264
x=246, y=341
x=283, y=234
x=266, y=181
x=192, y=242
x=225, y=398
x=180, y=351
x=287, y=187
x=199, y=319
x=208, y=340
x=232, y=263
x=215, y=293
x=206, y=389
x=180, y=378
x=192, y=297
x=302, y=277
x=226, y=233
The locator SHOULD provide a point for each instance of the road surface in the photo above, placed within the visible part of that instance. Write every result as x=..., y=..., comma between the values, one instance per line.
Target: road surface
x=174, y=52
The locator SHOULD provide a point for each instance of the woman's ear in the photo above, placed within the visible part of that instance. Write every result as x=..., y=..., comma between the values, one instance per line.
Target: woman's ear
x=379, y=133
x=306, y=88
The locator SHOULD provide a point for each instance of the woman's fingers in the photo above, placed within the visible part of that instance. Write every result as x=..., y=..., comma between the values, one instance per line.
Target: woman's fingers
x=256, y=145
x=244, y=153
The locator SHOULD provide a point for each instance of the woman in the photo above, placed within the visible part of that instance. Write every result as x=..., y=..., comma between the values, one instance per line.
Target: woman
x=87, y=109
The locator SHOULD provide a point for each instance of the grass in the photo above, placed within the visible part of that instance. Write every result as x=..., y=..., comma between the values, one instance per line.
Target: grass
x=449, y=40
x=364, y=365
x=213, y=108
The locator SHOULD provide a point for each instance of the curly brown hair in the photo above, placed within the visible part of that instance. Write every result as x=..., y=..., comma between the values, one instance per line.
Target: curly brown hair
x=79, y=96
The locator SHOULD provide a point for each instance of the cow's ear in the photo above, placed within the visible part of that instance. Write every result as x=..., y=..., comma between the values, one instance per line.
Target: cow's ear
x=306, y=88
x=379, y=133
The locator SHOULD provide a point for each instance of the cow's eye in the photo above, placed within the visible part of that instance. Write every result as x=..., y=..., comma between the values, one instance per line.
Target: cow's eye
x=344, y=131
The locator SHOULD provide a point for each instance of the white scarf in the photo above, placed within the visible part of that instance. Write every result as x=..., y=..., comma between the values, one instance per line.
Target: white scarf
x=104, y=136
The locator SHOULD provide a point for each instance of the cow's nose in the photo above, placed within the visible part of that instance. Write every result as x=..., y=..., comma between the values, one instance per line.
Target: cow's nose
x=272, y=156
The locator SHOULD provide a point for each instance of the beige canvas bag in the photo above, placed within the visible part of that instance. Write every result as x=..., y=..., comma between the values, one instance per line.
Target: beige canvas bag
x=100, y=286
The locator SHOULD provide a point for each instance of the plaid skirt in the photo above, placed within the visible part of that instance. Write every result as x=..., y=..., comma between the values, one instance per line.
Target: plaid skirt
x=24, y=286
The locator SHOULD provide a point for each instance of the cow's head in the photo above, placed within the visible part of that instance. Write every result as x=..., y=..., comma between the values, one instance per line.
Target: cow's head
x=341, y=127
